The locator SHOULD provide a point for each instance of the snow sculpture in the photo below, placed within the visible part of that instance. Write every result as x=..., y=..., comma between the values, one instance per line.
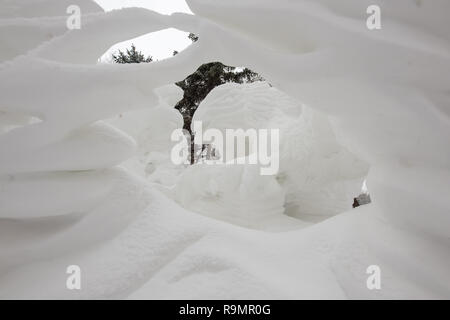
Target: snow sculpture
x=62, y=200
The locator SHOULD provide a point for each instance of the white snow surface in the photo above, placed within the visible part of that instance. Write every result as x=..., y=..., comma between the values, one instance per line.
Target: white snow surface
x=86, y=176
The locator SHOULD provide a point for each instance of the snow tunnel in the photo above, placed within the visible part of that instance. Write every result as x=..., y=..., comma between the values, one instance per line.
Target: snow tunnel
x=318, y=177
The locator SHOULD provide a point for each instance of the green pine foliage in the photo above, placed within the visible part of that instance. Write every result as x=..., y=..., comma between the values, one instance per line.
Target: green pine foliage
x=131, y=56
x=193, y=37
x=199, y=84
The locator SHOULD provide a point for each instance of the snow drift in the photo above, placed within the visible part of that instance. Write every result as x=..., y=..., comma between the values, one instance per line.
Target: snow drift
x=347, y=100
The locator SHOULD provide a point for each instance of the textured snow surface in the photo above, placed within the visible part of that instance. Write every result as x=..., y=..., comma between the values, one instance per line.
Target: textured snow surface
x=86, y=176
x=319, y=176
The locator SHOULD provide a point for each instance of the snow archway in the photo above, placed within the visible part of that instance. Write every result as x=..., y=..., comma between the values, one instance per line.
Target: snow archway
x=158, y=45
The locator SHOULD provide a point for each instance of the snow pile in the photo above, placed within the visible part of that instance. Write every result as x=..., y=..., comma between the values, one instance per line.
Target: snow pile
x=365, y=97
x=234, y=193
x=319, y=176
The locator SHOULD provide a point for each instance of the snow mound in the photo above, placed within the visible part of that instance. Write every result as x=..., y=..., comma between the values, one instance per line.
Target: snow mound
x=319, y=176
x=237, y=194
